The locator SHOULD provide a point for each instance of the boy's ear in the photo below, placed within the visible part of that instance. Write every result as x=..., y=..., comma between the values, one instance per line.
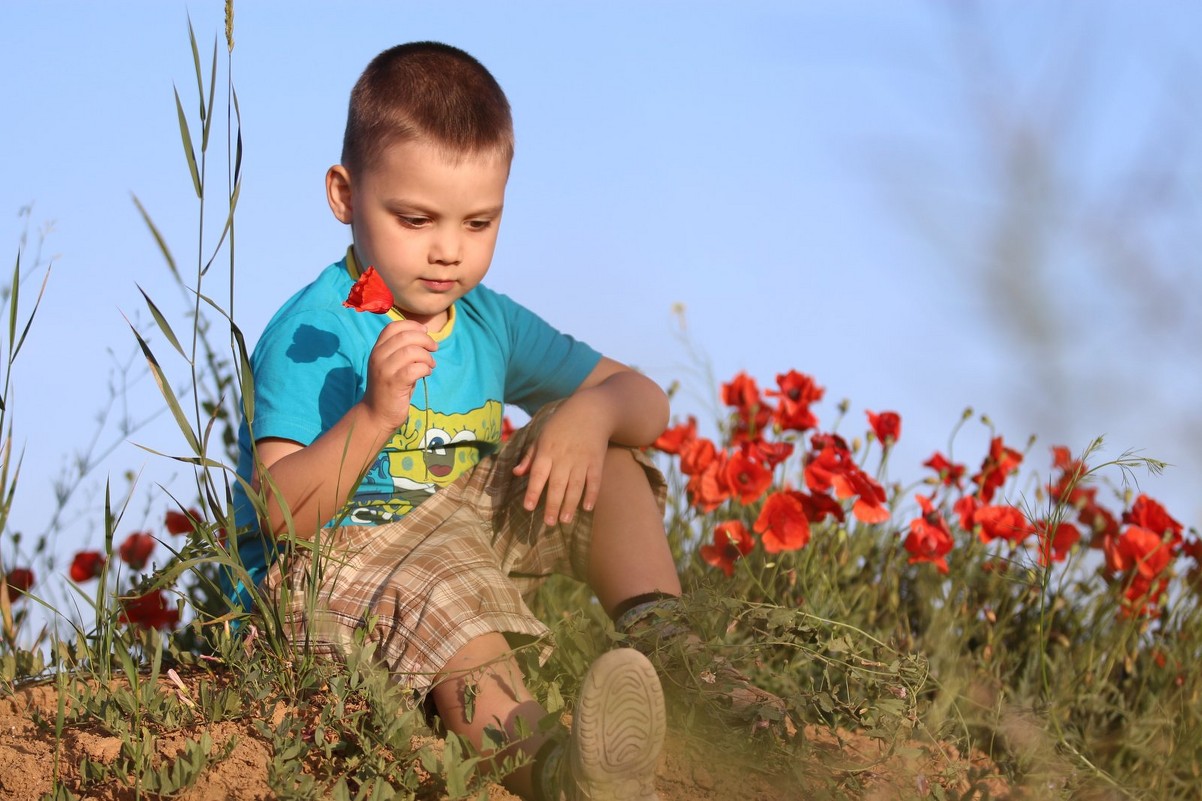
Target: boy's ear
x=338, y=193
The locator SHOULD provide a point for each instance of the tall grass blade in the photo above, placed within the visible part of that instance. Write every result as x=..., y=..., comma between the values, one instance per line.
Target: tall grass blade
x=158, y=238
x=6, y=612
x=238, y=138
x=168, y=394
x=164, y=326
x=208, y=115
x=200, y=89
x=186, y=136
x=32, y=314
x=12, y=306
x=244, y=370
x=245, y=377
x=7, y=481
x=225, y=229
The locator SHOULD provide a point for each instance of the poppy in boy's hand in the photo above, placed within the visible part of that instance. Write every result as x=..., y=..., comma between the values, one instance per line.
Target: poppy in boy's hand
x=369, y=294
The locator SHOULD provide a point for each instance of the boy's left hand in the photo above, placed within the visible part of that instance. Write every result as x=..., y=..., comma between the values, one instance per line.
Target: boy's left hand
x=566, y=461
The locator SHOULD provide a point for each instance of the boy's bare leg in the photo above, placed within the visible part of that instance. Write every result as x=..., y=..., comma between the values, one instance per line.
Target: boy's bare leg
x=629, y=554
x=630, y=561
x=481, y=688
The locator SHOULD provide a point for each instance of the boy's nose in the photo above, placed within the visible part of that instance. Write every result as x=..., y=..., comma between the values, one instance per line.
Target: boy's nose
x=446, y=247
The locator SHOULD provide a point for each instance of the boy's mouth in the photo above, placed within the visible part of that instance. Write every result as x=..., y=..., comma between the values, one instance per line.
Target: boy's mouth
x=437, y=286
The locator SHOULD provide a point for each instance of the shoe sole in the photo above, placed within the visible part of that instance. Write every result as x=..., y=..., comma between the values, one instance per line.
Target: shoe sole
x=618, y=729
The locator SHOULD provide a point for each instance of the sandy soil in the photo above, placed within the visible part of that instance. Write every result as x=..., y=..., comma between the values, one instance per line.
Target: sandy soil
x=836, y=765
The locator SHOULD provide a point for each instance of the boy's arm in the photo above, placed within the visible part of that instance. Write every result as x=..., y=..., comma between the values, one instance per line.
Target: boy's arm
x=314, y=481
x=615, y=405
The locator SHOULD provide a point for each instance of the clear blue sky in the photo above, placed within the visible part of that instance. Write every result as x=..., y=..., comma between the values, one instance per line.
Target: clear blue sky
x=761, y=163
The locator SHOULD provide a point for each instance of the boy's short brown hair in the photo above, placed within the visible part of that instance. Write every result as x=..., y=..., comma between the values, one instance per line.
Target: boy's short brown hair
x=431, y=92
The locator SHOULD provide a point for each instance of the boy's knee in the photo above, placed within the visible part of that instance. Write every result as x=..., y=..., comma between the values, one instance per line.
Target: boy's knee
x=624, y=474
x=620, y=460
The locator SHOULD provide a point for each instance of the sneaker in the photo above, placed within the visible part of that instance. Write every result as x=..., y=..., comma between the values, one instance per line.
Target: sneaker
x=698, y=676
x=617, y=731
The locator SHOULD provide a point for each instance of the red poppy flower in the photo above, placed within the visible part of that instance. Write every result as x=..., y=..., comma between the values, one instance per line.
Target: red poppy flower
x=1140, y=550
x=1144, y=556
x=820, y=506
x=741, y=392
x=950, y=474
x=86, y=565
x=136, y=549
x=869, y=506
x=1151, y=515
x=772, y=454
x=797, y=391
x=998, y=465
x=732, y=541
x=369, y=294
x=822, y=467
x=507, y=428
x=833, y=468
x=886, y=426
x=966, y=509
x=150, y=611
x=1193, y=548
x=782, y=523
x=19, y=580
x=930, y=539
x=1142, y=596
x=746, y=477
x=1001, y=523
x=676, y=437
x=696, y=455
x=1054, y=546
x=707, y=489
x=178, y=522
x=752, y=416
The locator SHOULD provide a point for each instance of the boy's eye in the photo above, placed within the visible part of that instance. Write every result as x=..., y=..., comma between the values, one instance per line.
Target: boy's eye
x=413, y=222
x=479, y=225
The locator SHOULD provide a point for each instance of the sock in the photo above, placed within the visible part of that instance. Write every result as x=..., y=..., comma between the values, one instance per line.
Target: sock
x=639, y=602
x=547, y=771
x=633, y=611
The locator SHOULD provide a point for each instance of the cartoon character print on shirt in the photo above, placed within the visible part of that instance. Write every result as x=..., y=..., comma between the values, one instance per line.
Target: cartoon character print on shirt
x=430, y=451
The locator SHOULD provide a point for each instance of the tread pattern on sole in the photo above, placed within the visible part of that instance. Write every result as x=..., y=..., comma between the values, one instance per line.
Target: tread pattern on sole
x=618, y=729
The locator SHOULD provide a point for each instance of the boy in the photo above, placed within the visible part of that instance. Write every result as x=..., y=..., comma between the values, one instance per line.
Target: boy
x=375, y=449
x=377, y=438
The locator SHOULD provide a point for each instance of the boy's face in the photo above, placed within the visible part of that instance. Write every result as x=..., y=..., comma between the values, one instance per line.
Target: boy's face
x=428, y=226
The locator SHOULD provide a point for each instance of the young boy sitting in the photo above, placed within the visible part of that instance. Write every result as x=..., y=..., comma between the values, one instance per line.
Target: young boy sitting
x=375, y=446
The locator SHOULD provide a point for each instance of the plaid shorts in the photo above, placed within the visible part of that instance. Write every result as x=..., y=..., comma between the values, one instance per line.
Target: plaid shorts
x=460, y=565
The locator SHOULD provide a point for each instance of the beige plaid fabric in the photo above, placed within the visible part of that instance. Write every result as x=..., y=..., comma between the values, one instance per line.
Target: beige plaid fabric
x=458, y=566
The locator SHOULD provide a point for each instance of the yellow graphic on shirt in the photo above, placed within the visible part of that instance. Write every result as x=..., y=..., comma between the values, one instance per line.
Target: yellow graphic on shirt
x=429, y=452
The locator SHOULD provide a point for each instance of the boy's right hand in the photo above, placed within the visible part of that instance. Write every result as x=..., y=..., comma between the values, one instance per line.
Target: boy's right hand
x=402, y=355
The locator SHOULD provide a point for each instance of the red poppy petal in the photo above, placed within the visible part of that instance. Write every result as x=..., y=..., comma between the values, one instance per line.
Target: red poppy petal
x=369, y=294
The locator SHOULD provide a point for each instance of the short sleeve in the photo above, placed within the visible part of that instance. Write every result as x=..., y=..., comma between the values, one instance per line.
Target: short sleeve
x=305, y=377
x=545, y=364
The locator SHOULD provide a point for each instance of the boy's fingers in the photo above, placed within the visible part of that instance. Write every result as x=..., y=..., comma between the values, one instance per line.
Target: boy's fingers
x=573, y=492
x=405, y=332
x=552, y=498
x=536, y=480
x=592, y=490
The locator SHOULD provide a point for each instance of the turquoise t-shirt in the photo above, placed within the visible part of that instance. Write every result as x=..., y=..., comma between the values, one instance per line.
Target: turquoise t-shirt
x=310, y=367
